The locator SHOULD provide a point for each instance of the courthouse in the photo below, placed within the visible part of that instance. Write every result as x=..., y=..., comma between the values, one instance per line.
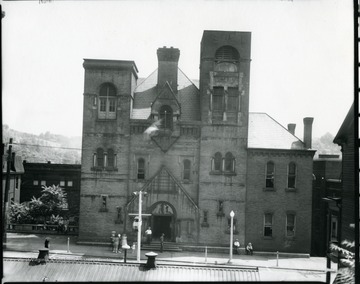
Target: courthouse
x=207, y=156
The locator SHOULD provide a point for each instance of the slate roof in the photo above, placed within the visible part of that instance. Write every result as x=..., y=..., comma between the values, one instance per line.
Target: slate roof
x=187, y=95
x=19, y=270
x=266, y=133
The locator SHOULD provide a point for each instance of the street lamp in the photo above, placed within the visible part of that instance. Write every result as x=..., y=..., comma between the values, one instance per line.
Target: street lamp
x=232, y=214
x=139, y=193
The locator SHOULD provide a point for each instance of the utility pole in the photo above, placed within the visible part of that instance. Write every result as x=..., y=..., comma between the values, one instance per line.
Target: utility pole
x=6, y=193
x=140, y=194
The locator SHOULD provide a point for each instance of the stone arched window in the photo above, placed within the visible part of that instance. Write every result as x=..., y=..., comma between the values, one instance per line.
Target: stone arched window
x=100, y=157
x=229, y=165
x=111, y=158
x=166, y=114
x=217, y=162
x=107, y=101
x=270, y=175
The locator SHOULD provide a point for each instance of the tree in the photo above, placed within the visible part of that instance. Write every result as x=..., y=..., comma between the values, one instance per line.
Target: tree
x=346, y=274
x=51, y=202
x=19, y=214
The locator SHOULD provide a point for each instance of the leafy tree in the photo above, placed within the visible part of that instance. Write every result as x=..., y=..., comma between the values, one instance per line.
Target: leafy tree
x=346, y=274
x=50, y=203
x=19, y=214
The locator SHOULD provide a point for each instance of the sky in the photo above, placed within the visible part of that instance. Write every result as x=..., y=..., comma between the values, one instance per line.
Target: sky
x=301, y=55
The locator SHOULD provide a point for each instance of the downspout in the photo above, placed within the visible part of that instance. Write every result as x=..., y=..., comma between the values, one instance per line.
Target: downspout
x=198, y=189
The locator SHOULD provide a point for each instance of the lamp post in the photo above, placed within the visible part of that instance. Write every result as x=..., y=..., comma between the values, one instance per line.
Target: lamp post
x=139, y=193
x=232, y=214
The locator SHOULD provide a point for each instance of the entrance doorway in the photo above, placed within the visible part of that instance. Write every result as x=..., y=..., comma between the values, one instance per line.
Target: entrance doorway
x=162, y=224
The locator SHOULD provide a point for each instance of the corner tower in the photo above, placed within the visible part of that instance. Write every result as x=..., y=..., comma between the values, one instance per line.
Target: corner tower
x=224, y=107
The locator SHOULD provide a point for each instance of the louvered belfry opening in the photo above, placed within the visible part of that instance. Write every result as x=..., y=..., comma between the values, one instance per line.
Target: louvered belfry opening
x=227, y=53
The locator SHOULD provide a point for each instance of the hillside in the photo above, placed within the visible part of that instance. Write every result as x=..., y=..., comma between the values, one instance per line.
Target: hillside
x=44, y=147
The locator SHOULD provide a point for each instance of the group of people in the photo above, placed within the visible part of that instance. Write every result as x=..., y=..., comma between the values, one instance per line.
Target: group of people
x=115, y=240
x=248, y=249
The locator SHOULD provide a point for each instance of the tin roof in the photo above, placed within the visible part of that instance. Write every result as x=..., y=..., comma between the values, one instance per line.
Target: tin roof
x=19, y=270
x=266, y=133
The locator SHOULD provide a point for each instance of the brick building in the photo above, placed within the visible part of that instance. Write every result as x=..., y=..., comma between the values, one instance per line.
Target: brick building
x=206, y=156
x=325, y=206
x=346, y=139
x=67, y=176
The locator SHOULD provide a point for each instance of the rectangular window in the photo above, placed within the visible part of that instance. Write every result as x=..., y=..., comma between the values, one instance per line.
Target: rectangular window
x=102, y=104
x=205, y=216
x=291, y=175
x=290, y=225
x=43, y=182
x=233, y=95
x=268, y=223
x=62, y=183
x=112, y=105
x=70, y=183
x=218, y=99
x=35, y=182
x=270, y=169
x=334, y=228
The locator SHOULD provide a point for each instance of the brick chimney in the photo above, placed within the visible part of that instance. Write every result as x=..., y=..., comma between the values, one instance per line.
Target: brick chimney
x=291, y=128
x=308, y=121
x=168, y=59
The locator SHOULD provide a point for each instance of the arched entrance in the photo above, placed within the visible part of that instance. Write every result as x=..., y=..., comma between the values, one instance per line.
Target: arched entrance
x=163, y=220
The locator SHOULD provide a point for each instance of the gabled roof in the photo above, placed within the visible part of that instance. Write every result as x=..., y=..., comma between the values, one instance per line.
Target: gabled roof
x=267, y=133
x=19, y=270
x=346, y=127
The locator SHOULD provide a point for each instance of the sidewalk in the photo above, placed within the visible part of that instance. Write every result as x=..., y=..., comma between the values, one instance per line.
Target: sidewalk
x=27, y=246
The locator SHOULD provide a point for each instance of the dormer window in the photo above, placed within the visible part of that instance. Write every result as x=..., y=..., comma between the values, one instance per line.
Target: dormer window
x=107, y=102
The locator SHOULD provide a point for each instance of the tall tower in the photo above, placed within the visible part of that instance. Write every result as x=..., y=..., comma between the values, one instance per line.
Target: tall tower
x=108, y=91
x=224, y=95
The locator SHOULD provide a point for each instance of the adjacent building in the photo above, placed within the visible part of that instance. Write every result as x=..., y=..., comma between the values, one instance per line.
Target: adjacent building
x=197, y=153
x=67, y=176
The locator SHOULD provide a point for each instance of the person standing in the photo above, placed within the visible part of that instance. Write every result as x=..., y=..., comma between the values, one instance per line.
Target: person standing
x=237, y=246
x=148, y=234
x=162, y=242
x=116, y=243
x=47, y=243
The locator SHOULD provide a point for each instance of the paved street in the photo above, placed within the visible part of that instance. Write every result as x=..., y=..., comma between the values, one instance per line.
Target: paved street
x=270, y=268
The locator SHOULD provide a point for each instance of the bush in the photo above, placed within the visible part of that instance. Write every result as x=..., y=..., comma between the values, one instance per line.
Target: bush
x=20, y=214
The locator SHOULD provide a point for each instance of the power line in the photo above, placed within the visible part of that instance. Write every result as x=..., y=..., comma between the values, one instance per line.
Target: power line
x=45, y=146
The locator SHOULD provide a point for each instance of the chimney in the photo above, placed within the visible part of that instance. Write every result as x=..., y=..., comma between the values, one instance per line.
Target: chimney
x=308, y=121
x=291, y=128
x=168, y=59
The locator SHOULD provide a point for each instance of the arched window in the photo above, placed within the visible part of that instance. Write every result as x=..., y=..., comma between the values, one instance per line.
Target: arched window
x=187, y=170
x=229, y=162
x=226, y=53
x=270, y=175
x=107, y=102
x=141, y=169
x=292, y=175
x=110, y=158
x=217, y=162
x=100, y=157
x=166, y=114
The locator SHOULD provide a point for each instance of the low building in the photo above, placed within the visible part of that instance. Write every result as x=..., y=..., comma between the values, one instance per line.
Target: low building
x=67, y=176
x=326, y=191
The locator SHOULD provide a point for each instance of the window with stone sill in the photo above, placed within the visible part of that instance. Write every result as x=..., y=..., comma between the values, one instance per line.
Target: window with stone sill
x=107, y=102
x=270, y=176
x=290, y=225
x=229, y=164
x=291, y=180
x=228, y=230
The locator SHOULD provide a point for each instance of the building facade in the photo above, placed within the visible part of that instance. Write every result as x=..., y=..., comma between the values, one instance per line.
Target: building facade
x=326, y=199
x=197, y=152
x=67, y=176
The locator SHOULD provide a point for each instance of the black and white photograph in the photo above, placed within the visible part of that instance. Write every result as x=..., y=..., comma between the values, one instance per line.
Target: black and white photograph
x=196, y=141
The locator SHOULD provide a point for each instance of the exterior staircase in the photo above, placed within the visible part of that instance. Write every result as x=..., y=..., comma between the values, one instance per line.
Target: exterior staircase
x=155, y=246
